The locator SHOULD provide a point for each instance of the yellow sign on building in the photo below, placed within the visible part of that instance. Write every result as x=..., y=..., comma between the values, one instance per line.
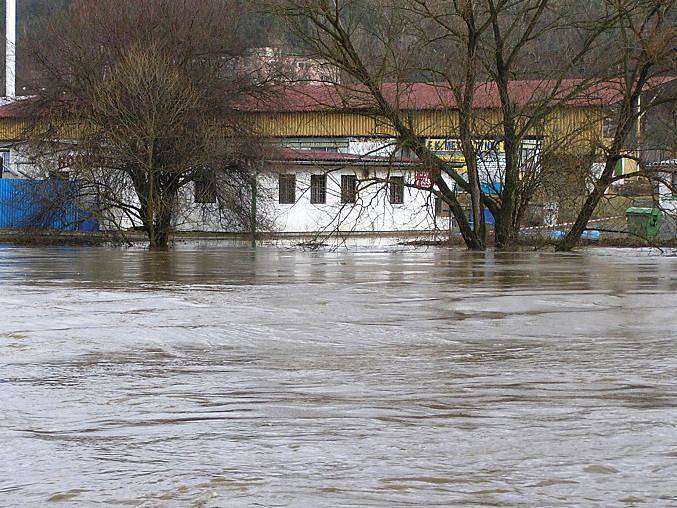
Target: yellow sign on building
x=451, y=149
x=489, y=152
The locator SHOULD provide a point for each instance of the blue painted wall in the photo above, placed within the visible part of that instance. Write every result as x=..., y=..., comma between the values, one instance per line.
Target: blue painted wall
x=41, y=204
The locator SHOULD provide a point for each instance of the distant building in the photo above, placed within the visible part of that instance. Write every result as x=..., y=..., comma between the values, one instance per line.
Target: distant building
x=269, y=63
x=333, y=153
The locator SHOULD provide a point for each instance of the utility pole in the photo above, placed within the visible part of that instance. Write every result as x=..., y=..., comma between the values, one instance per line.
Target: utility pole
x=10, y=49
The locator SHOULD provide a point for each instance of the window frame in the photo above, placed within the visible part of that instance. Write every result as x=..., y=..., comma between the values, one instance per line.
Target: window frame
x=5, y=160
x=318, y=189
x=442, y=209
x=348, y=196
x=396, y=190
x=286, y=194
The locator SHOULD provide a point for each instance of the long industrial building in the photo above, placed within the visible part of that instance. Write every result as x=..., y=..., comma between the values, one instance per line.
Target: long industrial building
x=330, y=144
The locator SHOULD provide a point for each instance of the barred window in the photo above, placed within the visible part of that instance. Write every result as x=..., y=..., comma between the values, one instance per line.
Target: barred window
x=396, y=190
x=287, y=189
x=348, y=188
x=318, y=189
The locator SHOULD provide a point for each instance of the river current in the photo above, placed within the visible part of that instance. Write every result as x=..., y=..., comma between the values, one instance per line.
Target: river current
x=232, y=377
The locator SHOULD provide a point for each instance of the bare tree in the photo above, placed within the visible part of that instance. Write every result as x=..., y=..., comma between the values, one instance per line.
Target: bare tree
x=640, y=50
x=477, y=54
x=139, y=97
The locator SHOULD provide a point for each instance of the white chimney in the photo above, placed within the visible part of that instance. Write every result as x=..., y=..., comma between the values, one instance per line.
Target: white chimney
x=10, y=50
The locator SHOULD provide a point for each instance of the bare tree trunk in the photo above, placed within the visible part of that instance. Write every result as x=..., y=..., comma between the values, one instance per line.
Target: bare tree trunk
x=506, y=227
x=466, y=129
x=588, y=208
x=159, y=240
x=626, y=121
x=470, y=237
x=156, y=208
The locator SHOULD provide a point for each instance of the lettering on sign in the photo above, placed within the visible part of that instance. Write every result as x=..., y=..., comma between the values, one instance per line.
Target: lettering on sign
x=422, y=179
x=451, y=149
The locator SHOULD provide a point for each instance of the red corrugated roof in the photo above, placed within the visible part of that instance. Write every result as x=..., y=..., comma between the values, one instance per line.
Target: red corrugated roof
x=15, y=110
x=432, y=96
x=412, y=96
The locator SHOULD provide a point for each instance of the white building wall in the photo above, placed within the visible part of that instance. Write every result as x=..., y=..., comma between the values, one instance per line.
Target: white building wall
x=668, y=198
x=15, y=163
x=372, y=147
x=372, y=211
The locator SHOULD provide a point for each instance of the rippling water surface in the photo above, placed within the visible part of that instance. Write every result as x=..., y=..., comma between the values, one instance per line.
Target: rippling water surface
x=227, y=377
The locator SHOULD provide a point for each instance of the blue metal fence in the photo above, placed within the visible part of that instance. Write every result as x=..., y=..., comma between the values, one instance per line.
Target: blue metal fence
x=41, y=204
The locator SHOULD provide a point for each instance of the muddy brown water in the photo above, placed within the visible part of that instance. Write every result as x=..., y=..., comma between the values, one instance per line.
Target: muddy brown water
x=227, y=377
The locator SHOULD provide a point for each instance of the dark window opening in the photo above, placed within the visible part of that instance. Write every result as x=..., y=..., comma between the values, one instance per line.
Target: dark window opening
x=287, y=189
x=318, y=189
x=674, y=184
x=205, y=187
x=348, y=188
x=396, y=190
x=441, y=208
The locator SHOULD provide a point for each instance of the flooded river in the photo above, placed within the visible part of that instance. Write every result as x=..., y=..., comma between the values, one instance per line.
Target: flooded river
x=227, y=377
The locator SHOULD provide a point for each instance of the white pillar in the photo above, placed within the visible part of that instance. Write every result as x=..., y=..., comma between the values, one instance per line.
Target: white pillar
x=10, y=49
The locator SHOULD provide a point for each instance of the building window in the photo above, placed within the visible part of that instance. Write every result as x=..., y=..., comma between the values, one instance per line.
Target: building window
x=319, y=144
x=609, y=128
x=4, y=162
x=441, y=208
x=348, y=188
x=674, y=184
x=327, y=149
x=205, y=187
x=287, y=189
x=396, y=190
x=528, y=158
x=318, y=189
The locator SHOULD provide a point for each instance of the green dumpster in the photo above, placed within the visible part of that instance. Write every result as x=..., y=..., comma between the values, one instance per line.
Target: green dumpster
x=644, y=222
